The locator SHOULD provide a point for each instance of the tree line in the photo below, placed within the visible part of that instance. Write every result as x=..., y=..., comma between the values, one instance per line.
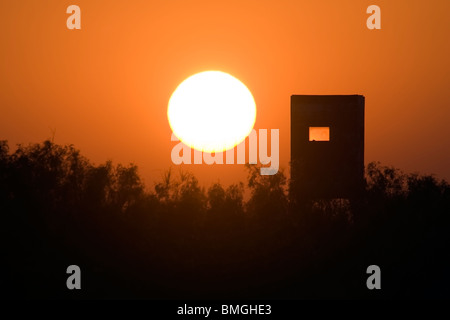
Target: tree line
x=179, y=239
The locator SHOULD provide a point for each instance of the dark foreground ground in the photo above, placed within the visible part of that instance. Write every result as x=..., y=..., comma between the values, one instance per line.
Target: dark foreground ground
x=180, y=241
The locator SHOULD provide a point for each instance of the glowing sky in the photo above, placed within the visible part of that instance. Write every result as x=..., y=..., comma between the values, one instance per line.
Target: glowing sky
x=105, y=88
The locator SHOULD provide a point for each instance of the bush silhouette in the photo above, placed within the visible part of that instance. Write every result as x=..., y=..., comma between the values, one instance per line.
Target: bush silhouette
x=183, y=240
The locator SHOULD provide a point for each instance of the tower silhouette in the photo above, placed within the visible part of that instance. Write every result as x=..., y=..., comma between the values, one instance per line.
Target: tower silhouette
x=327, y=146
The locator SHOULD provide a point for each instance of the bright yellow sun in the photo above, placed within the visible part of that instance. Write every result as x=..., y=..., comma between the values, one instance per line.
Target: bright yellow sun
x=211, y=111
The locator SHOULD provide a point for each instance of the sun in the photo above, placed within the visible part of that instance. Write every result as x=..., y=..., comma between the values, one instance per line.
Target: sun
x=211, y=111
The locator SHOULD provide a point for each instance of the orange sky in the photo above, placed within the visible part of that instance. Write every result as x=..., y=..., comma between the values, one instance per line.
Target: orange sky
x=105, y=88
